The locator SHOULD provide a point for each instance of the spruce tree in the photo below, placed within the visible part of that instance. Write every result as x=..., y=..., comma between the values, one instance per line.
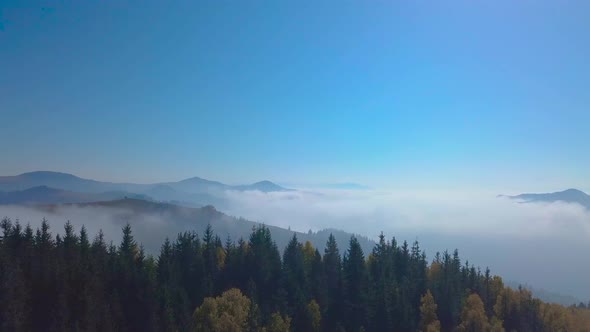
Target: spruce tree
x=355, y=287
x=333, y=310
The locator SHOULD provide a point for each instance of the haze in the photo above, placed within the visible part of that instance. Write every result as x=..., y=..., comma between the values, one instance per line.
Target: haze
x=407, y=118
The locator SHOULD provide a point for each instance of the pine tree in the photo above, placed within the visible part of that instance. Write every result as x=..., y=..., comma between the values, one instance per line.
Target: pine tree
x=294, y=282
x=316, y=280
x=263, y=265
x=333, y=272
x=355, y=285
x=383, y=286
x=210, y=259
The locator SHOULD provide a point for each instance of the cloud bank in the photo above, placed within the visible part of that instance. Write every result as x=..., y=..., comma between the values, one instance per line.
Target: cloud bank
x=544, y=245
x=540, y=244
x=370, y=212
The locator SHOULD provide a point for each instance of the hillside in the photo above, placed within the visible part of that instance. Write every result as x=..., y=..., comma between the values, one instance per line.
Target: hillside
x=568, y=196
x=179, y=218
x=47, y=195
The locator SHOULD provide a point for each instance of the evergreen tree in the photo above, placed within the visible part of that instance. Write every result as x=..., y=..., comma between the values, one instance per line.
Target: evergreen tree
x=263, y=264
x=383, y=286
x=355, y=285
x=334, y=310
x=294, y=283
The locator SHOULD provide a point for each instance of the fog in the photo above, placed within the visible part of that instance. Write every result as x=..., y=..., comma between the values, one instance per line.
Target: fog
x=543, y=245
x=149, y=230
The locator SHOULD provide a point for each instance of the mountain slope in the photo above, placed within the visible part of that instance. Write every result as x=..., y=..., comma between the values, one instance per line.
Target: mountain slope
x=197, y=185
x=50, y=179
x=567, y=196
x=173, y=219
x=48, y=195
x=264, y=186
x=544, y=295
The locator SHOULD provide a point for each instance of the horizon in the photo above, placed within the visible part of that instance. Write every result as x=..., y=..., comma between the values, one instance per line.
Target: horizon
x=300, y=186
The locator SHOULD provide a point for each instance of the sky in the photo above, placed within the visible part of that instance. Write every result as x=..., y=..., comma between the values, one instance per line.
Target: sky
x=405, y=94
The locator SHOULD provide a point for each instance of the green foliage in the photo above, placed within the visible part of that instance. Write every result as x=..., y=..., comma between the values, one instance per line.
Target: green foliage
x=355, y=280
x=334, y=309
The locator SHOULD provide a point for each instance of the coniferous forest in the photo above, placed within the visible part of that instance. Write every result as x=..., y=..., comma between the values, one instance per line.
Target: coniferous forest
x=200, y=282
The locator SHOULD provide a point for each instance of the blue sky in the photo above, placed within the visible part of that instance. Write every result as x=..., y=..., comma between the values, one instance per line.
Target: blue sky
x=409, y=94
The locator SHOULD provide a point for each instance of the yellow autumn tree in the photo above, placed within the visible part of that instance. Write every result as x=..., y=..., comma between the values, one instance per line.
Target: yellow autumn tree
x=428, y=319
x=434, y=271
x=278, y=323
x=226, y=313
x=308, y=257
x=580, y=319
x=496, y=325
x=315, y=316
x=555, y=317
x=473, y=317
x=308, y=253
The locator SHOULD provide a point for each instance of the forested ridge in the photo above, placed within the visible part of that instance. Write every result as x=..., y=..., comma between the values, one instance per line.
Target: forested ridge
x=200, y=282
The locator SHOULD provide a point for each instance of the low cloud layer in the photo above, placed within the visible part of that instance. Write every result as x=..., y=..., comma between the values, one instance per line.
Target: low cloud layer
x=544, y=245
x=540, y=244
x=149, y=230
x=370, y=212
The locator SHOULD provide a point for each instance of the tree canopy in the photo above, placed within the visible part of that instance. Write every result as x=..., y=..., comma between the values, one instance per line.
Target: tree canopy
x=67, y=282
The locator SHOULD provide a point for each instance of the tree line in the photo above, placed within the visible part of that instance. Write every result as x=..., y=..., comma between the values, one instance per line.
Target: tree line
x=68, y=282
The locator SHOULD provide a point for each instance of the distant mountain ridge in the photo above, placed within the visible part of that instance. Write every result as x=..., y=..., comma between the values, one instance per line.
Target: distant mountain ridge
x=48, y=195
x=264, y=186
x=193, y=191
x=567, y=196
x=545, y=295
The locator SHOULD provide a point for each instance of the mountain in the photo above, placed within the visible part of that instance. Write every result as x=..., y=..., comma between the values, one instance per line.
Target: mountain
x=568, y=196
x=73, y=183
x=191, y=192
x=544, y=295
x=264, y=186
x=51, y=179
x=164, y=192
x=197, y=185
x=167, y=220
x=48, y=195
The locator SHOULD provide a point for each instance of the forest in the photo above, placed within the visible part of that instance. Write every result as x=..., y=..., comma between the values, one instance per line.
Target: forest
x=72, y=281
